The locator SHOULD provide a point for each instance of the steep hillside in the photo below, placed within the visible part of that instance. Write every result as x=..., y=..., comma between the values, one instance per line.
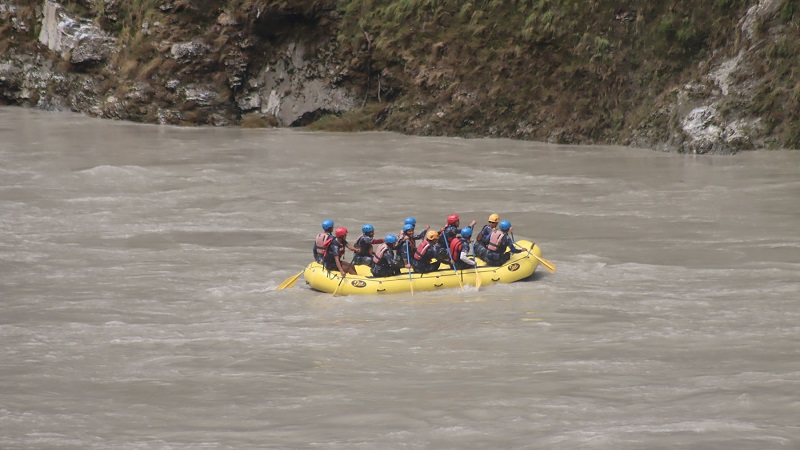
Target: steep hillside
x=702, y=77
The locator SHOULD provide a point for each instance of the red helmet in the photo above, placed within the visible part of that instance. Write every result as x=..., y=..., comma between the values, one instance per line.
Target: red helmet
x=452, y=218
x=341, y=232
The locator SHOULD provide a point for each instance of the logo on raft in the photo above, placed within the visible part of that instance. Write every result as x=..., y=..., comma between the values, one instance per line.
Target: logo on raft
x=513, y=267
x=358, y=283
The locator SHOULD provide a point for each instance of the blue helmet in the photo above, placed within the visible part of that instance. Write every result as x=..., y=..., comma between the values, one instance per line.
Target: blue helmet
x=410, y=220
x=466, y=232
x=327, y=225
x=391, y=239
x=505, y=225
x=407, y=227
x=367, y=228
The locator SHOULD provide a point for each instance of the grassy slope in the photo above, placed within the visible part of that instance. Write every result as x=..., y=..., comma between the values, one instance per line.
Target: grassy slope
x=568, y=70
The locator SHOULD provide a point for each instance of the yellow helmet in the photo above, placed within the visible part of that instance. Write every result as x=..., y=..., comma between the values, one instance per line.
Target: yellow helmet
x=494, y=218
x=432, y=235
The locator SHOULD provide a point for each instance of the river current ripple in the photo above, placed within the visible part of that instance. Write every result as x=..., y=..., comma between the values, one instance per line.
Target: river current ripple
x=137, y=304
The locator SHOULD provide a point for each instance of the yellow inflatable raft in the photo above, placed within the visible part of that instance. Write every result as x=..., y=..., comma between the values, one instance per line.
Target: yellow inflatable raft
x=520, y=266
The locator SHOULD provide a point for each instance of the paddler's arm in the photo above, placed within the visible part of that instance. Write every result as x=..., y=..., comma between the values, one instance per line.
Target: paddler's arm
x=339, y=264
x=512, y=246
x=465, y=259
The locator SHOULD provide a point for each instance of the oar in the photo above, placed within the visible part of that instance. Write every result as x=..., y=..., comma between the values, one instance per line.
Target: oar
x=547, y=264
x=477, y=276
x=408, y=261
x=289, y=282
x=450, y=255
x=343, y=277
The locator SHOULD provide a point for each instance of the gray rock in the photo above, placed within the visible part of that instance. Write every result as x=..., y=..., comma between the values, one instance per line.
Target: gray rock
x=80, y=39
x=203, y=96
x=188, y=50
x=295, y=86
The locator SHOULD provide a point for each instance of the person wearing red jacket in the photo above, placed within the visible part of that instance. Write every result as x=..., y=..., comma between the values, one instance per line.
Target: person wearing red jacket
x=335, y=252
x=423, y=260
x=451, y=230
x=459, y=249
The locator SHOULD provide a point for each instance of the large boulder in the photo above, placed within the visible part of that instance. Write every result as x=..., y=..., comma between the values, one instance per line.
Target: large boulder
x=79, y=40
x=296, y=89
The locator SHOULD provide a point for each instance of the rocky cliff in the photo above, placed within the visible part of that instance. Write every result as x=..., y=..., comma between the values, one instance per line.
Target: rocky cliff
x=708, y=77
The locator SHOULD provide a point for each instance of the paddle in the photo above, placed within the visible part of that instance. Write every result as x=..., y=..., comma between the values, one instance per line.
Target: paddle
x=547, y=264
x=477, y=276
x=408, y=261
x=343, y=276
x=451, y=258
x=289, y=282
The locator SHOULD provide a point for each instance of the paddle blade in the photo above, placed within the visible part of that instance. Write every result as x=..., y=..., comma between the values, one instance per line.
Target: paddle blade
x=411, y=281
x=289, y=282
x=335, y=291
x=547, y=264
x=477, y=278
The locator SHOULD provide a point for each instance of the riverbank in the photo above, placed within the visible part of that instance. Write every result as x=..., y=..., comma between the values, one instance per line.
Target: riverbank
x=682, y=77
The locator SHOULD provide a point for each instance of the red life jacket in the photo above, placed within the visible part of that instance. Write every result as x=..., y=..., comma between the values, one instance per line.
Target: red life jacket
x=455, y=248
x=495, y=239
x=323, y=241
x=341, y=250
x=329, y=256
x=378, y=255
x=422, y=249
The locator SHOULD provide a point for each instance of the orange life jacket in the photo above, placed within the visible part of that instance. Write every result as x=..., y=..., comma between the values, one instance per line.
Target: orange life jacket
x=378, y=255
x=495, y=239
x=323, y=240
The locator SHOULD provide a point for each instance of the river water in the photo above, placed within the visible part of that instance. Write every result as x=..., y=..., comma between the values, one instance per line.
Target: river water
x=138, y=309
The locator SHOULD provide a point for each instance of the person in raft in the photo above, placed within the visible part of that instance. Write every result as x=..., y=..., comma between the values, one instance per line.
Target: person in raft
x=385, y=262
x=451, y=230
x=322, y=240
x=333, y=255
x=363, y=246
x=459, y=248
x=495, y=251
x=483, y=237
x=408, y=244
x=447, y=234
x=413, y=222
x=425, y=253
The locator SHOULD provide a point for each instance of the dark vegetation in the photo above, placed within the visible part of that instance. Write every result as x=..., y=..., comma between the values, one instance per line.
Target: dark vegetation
x=587, y=68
